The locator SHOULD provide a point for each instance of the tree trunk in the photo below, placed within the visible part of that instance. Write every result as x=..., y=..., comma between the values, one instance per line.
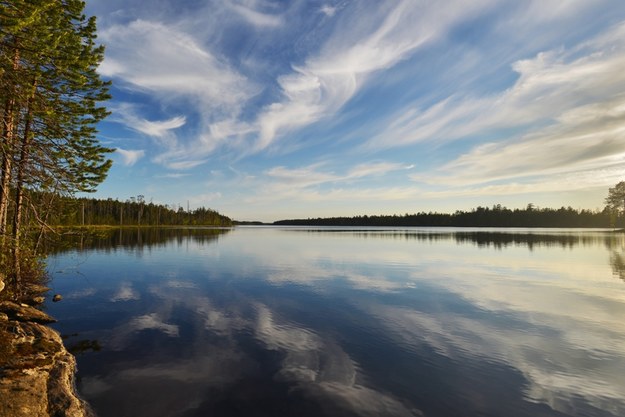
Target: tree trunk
x=43, y=223
x=19, y=186
x=8, y=139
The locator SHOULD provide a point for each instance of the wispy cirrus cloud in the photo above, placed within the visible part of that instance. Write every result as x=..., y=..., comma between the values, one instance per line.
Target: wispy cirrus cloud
x=567, y=107
x=550, y=88
x=159, y=128
x=328, y=10
x=250, y=11
x=163, y=60
x=314, y=175
x=130, y=157
x=183, y=164
x=364, y=44
x=127, y=115
x=484, y=97
x=551, y=184
x=319, y=183
x=174, y=175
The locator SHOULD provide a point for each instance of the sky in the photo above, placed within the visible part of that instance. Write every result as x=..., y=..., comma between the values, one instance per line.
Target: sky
x=275, y=109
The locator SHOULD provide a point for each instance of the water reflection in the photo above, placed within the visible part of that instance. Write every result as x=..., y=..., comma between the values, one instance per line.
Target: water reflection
x=497, y=238
x=262, y=322
x=108, y=239
x=617, y=260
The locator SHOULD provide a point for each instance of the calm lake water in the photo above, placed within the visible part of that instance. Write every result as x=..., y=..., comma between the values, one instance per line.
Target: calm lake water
x=345, y=322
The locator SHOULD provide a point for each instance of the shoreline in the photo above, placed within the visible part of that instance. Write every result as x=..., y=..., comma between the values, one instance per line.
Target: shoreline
x=37, y=372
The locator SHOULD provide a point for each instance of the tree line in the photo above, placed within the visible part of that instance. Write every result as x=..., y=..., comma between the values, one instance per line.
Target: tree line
x=135, y=211
x=496, y=216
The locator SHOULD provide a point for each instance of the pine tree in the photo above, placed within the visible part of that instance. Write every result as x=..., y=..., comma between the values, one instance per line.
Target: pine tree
x=616, y=197
x=50, y=93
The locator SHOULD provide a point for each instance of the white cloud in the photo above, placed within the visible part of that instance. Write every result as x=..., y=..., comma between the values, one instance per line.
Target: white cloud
x=175, y=175
x=550, y=86
x=328, y=10
x=158, y=128
x=127, y=114
x=364, y=45
x=368, y=196
x=255, y=17
x=585, y=138
x=177, y=69
x=183, y=164
x=570, y=92
x=165, y=61
x=569, y=182
x=130, y=157
x=550, y=10
x=575, y=97
x=293, y=180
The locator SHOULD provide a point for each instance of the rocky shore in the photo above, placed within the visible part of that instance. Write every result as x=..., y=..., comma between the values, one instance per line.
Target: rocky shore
x=36, y=370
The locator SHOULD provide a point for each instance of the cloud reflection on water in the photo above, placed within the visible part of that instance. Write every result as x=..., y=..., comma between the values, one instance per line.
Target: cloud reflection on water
x=568, y=340
x=275, y=311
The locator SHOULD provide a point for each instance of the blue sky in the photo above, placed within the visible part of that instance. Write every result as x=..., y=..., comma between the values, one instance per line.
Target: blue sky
x=273, y=109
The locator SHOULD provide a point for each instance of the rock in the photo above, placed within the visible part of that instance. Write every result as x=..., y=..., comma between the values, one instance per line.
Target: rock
x=37, y=378
x=24, y=313
x=1, y=283
x=36, y=370
x=57, y=298
x=38, y=300
x=35, y=289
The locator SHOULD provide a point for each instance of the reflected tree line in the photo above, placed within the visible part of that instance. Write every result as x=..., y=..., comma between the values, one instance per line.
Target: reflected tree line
x=617, y=261
x=613, y=242
x=132, y=238
x=495, y=239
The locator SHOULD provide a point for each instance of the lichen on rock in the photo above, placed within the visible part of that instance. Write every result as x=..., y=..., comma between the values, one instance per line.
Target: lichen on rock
x=36, y=372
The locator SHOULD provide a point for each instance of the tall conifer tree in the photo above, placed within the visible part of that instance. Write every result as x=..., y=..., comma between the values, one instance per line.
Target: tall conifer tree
x=50, y=93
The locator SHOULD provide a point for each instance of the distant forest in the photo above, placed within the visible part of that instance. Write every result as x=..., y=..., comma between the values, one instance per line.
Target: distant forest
x=497, y=216
x=132, y=212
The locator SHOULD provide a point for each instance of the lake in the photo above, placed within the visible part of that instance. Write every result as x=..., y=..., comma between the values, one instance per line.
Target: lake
x=264, y=321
